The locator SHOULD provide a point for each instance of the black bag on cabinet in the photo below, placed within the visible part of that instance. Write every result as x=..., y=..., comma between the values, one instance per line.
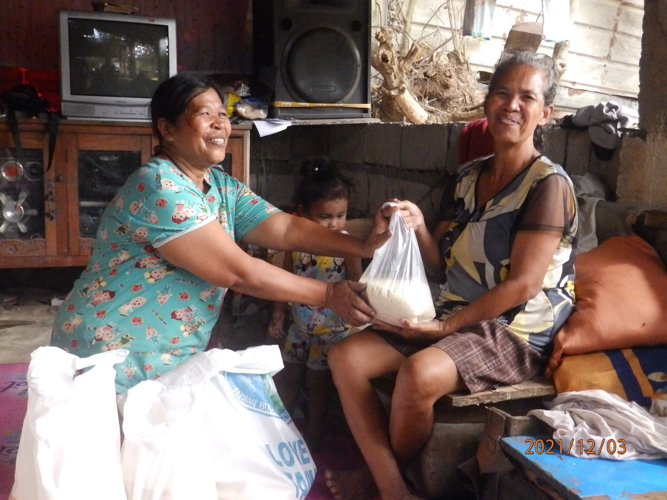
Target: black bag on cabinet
x=26, y=99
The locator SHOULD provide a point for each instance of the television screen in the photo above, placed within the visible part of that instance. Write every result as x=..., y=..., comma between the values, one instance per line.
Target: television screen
x=114, y=62
x=116, y=59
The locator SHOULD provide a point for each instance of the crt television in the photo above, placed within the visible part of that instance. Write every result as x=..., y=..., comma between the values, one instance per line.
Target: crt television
x=110, y=64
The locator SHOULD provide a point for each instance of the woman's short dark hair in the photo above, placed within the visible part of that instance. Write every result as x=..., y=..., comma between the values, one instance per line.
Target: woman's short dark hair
x=541, y=62
x=172, y=97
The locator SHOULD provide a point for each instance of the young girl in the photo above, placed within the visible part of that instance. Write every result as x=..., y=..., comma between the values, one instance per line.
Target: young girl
x=322, y=196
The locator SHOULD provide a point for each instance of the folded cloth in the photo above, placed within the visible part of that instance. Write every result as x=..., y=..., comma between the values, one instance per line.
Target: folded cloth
x=605, y=122
x=603, y=425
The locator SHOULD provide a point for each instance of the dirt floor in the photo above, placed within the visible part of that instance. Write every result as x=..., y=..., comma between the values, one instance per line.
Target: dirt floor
x=26, y=319
x=27, y=315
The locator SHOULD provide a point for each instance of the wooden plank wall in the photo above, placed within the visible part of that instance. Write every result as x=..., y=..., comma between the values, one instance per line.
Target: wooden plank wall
x=213, y=36
x=605, y=40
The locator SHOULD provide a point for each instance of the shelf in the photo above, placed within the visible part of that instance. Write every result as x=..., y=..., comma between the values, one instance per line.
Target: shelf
x=242, y=125
x=247, y=124
x=337, y=121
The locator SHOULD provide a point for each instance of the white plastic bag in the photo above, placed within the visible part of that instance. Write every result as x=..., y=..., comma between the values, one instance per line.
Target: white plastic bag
x=396, y=283
x=214, y=428
x=70, y=442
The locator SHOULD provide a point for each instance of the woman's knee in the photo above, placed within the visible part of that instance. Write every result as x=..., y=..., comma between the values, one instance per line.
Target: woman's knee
x=363, y=355
x=413, y=381
x=425, y=378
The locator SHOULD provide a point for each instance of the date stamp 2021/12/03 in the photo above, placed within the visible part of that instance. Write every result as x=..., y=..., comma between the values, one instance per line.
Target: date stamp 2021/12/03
x=583, y=446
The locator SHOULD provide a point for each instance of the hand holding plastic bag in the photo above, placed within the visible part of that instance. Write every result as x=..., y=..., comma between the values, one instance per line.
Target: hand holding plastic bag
x=396, y=283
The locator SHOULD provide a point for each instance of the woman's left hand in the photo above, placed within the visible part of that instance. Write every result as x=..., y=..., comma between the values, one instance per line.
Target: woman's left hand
x=411, y=214
x=434, y=329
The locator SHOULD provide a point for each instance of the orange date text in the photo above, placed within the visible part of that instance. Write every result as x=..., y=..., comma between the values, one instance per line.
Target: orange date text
x=583, y=446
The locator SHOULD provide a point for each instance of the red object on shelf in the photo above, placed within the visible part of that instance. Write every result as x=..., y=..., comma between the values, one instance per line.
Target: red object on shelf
x=47, y=82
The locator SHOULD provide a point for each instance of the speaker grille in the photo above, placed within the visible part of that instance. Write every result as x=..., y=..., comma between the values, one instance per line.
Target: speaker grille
x=311, y=57
x=322, y=64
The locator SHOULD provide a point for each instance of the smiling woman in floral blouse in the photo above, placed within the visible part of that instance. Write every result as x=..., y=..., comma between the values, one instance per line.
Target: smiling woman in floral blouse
x=166, y=250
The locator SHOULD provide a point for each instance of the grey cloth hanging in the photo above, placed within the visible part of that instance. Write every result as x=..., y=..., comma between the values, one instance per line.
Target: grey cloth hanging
x=605, y=122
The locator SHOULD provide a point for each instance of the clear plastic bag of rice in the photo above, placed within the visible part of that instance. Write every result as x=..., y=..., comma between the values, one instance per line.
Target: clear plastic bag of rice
x=396, y=283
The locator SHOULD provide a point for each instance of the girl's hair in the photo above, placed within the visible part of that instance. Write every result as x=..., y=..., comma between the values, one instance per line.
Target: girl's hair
x=172, y=97
x=541, y=62
x=320, y=180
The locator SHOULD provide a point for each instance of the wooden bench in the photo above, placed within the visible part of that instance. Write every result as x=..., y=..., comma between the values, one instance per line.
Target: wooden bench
x=533, y=388
x=532, y=391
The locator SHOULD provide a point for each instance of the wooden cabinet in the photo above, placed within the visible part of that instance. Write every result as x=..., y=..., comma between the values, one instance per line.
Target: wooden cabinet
x=49, y=218
x=28, y=224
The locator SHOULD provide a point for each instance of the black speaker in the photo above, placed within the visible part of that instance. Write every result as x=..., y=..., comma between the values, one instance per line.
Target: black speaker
x=311, y=57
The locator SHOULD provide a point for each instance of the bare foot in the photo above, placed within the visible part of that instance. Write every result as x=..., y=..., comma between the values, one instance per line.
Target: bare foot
x=354, y=484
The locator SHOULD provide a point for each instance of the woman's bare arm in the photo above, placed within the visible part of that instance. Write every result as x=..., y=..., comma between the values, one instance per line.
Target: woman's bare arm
x=531, y=255
x=210, y=253
x=288, y=266
x=280, y=311
x=429, y=248
x=282, y=231
x=353, y=265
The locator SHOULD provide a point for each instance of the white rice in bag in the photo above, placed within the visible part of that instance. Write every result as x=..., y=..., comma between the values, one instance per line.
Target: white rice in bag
x=396, y=283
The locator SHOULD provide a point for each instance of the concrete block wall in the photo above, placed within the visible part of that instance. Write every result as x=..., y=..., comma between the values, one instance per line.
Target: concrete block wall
x=391, y=160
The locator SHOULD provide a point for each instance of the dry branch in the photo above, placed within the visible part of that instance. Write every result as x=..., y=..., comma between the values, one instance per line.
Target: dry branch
x=560, y=52
x=422, y=84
